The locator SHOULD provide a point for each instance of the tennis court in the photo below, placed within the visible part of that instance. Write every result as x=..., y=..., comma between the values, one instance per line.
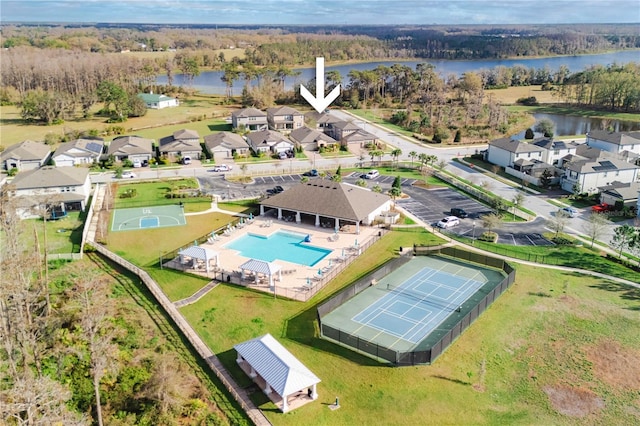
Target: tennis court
x=421, y=298
x=147, y=217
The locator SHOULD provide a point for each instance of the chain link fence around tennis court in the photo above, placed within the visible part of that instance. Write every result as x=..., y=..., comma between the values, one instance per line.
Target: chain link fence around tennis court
x=455, y=328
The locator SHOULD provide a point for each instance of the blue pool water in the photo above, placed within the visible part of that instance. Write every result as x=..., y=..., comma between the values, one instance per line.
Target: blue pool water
x=287, y=246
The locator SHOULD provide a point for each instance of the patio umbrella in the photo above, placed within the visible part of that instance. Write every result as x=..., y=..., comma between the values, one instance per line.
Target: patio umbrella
x=228, y=226
x=309, y=281
x=195, y=243
x=241, y=220
x=356, y=243
x=250, y=216
x=320, y=272
x=342, y=252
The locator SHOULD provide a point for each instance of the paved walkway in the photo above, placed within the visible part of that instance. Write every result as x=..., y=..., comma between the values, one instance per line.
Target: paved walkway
x=197, y=295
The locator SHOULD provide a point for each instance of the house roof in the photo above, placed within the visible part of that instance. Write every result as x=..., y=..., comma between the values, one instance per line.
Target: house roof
x=25, y=151
x=150, y=98
x=599, y=165
x=168, y=144
x=283, y=110
x=81, y=148
x=266, y=138
x=617, y=138
x=329, y=198
x=360, y=135
x=129, y=145
x=279, y=367
x=185, y=134
x=514, y=146
x=626, y=192
x=345, y=125
x=323, y=118
x=51, y=177
x=549, y=144
x=305, y=135
x=248, y=112
x=197, y=252
x=226, y=140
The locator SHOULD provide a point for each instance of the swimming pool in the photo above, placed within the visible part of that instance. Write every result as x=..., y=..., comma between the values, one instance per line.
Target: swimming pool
x=287, y=246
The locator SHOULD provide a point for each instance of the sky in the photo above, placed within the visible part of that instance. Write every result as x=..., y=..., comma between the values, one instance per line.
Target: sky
x=307, y=12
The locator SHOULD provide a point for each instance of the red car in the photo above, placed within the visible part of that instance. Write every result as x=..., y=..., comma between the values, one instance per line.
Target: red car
x=603, y=207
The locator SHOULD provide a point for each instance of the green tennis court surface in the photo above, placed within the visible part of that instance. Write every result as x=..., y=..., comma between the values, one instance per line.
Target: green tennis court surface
x=413, y=302
x=147, y=217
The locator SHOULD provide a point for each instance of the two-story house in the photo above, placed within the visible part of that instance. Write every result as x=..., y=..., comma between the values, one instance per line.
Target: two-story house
x=615, y=142
x=269, y=141
x=58, y=189
x=284, y=119
x=338, y=130
x=131, y=148
x=26, y=155
x=183, y=143
x=506, y=152
x=78, y=152
x=251, y=119
x=226, y=145
x=554, y=150
x=589, y=175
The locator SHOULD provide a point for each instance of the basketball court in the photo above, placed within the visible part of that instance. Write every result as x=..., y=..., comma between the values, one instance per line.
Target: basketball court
x=148, y=217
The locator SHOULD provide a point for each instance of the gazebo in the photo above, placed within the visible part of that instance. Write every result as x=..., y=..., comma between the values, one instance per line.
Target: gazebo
x=267, y=269
x=199, y=253
x=275, y=369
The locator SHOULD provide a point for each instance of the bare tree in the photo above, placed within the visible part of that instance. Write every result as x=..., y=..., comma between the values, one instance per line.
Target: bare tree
x=97, y=329
x=491, y=221
x=595, y=226
x=558, y=222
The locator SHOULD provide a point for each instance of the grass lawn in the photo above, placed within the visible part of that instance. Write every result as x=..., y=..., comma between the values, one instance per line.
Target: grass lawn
x=544, y=348
x=63, y=235
x=154, y=194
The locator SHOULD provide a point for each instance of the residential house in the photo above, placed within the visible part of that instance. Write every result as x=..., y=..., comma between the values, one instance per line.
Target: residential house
x=620, y=193
x=554, y=150
x=323, y=121
x=588, y=175
x=58, y=188
x=78, y=152
x=284, y=119
x=26, y=155
x=269, y=141
x=131, y=148
x=183, y=143
x=360, y=137
x=311, y=139
x=615, y=142
x=511, y=153
x=226, y=145
x=340, y=129
x=153, y=101
x=251, y=119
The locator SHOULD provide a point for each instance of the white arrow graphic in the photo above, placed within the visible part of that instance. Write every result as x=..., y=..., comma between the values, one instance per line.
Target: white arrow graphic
x=319, y=102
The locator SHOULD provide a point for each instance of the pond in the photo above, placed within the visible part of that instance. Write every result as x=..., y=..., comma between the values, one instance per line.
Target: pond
x=565, y=125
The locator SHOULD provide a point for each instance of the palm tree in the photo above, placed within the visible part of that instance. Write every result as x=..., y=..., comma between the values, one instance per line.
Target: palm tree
x=413, y=156
x=394, y=193
x=395, y=153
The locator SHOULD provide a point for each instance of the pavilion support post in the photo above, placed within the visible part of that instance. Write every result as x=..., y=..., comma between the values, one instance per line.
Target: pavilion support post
x=279, y=213
x=317, y=220
x=337, y=224
x=314, y=393
x=298, y=218
x=261, y=210
x=253, y=375
x=285, y=405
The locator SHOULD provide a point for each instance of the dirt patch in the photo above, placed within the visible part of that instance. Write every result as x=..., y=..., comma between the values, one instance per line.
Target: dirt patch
x=573, y=402
x=615, y=365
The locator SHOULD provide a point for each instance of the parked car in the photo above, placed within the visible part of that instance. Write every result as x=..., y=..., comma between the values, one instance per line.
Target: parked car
x=186, y=160
x=448, y=222
x=221, y=168
x=278, y=189
x=603, y=207
x=457, y=212
x=282, y=155
x=372, y=174
x=137, y=163
x=568, y=211
x=312, y=173
x=128, y=175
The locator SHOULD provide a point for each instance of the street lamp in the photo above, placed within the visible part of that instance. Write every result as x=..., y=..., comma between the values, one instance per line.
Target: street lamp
x=473, y=233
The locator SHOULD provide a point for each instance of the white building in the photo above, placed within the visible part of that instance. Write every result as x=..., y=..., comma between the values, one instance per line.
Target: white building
x=251, y=119
x=616, y=142
x=78, y=152
x=591, y=174
x=554, y=150
x=26, y=155
x=153, y=101
x=505, y=152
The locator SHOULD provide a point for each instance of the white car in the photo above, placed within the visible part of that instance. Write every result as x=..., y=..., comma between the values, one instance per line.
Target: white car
x=448, y=222
x=128, y=175
x=221, y=168
x=372, y=174
x=569, y=211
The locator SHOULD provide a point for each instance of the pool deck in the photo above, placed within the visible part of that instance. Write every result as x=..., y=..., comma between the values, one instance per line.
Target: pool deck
x=295, y=278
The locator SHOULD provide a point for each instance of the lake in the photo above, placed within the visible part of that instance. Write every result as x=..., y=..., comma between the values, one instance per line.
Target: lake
x=209, y=82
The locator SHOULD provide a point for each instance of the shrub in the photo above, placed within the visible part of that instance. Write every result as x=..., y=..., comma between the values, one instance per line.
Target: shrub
x=490, y=237
x=530, y=101
x=562, y=241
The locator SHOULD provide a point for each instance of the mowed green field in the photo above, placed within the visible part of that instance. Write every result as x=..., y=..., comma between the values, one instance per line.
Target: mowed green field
x=556, y=348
